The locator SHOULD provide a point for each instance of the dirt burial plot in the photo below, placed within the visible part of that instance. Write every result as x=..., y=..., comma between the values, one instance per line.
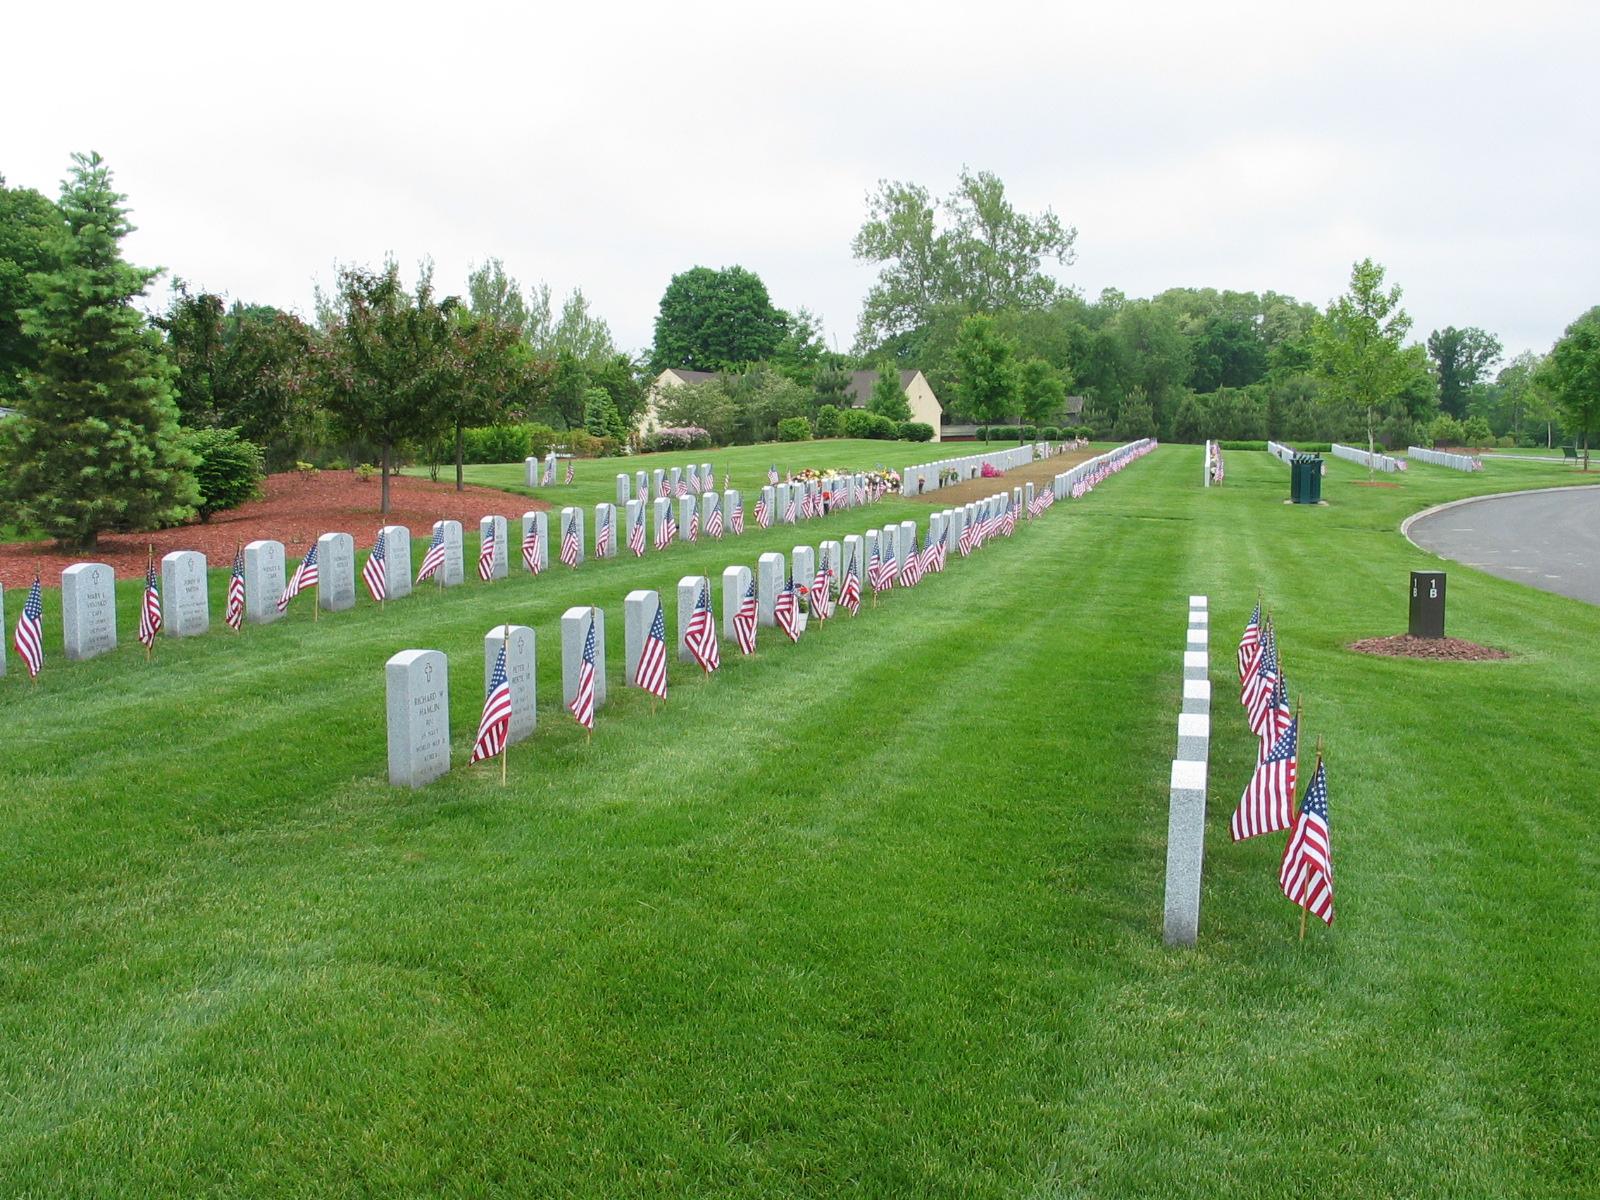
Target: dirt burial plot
x=295, y=509
x=1039, y=473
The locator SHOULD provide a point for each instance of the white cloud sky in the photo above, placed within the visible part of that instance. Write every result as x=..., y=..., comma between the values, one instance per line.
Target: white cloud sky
x=1252, y=146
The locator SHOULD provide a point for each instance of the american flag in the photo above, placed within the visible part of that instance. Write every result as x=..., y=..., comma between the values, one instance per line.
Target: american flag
x=664, y=489
x=549, y=473
x=683, y=486
x=636, y=536
x=1008, y=523
x=304, y=576
x=772, y=474
x=694, y=525
x=572, y=467
x=821, y=587
x=889, y=574
x=233, y=611
x=727, y=480
x=1306, y=875
x=701, y=635
x=714, y=522
x=911, y=574
x=569, y=543
x=930, y=557
x=373, y=573
x=850, y=589
x=496, y=720
x=808, y=505
x=944, y=546
x=763, y=513
x=695, y=485
x=651, y=673
x=786, y=610
x=602, y=535
x=744, y=621
x=738, y=517
x=150, y=610
x=788, y=509
x=486, y=554
x=530, y=548
x=582, y=706
x=29, y=636
x=875, y=570
x=1250, y=644
x=1268, y=801
x=964, y=542
x=1263, y=681
x=667, y=531
x=433, y=559
x=1278, y=717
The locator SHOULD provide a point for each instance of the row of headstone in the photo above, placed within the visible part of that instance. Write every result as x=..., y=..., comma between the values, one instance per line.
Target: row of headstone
x=924, y=477
x=417, y=681
x=1284, y=454
x=1456, y=462
x=1372, y=459
x=1186, y=797
x=1090, y=470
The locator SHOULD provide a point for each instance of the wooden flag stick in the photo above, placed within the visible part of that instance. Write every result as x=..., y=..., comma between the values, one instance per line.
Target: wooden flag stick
x=505, y=750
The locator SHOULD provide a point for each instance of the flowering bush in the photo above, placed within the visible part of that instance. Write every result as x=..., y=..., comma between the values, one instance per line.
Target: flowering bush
x=680, y=437
x=991, y=471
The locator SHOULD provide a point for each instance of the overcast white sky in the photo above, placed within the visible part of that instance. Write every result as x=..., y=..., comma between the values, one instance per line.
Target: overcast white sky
x=1250, y=146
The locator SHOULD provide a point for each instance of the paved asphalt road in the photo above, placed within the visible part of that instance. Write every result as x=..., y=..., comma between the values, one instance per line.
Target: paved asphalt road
x=1549, y=539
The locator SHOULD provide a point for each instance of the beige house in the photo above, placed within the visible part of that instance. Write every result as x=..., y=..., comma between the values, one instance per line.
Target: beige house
x=925, y=406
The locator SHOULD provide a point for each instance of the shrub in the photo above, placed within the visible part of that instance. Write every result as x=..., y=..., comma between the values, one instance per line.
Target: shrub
x=1447, y=431
x=830, y=421
x=492, y=444
x=1476, y=431
x=229, y=472
x=678, y=437
x=882, y=428
x=794, y=429
x=1505, y=440
x=916, y=431
x=366, y=472
x=857, y=423
x=981, y=433
x=1050, y=433
x=306, y=468
x=1243, y=445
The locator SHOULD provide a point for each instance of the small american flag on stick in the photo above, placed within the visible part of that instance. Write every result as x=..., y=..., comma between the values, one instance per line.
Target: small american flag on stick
x=495, y=723
x=763, y=512
x=786, y=610
x=1250, y=644
x=738, y=518
x=1268, y=801
x=569, y=544
x=372, y=574
x=651, y=673
x=150, y=608
x=714, y=523
x=571, y=469
x=28, y=639
x=305, y=575
x=744, y=621
x=582, y=706
x=486, y=554
x=233, y=611
x=432, y=560
x=1306, y=875
x=636, y=537
x=530, y=548
x=701, y=635
x=850, y=589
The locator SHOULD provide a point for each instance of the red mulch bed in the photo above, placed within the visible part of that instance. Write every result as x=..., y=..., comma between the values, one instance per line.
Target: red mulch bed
x=1403, y=645
x=296, y=509
x=1372, y=483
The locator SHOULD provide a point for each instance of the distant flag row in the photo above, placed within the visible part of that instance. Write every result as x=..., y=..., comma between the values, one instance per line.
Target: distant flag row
x=1305, y=873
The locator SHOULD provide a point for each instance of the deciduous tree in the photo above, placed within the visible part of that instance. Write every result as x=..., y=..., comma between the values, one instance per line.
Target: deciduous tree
x=1358, y=344
x=1460, y=359
x=988, y=382
x=1571, y=372
x=716, y=321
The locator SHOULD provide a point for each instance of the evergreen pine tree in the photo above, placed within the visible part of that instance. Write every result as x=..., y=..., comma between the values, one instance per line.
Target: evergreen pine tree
x=98, y=446
x=888, y=397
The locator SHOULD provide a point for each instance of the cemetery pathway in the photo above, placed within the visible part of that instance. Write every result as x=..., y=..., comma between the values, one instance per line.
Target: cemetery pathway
x=1039, y=472
x=1548, y=540
x=295, y=509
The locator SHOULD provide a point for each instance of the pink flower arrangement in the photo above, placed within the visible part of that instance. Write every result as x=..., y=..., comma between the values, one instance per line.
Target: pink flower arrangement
x=990, y=471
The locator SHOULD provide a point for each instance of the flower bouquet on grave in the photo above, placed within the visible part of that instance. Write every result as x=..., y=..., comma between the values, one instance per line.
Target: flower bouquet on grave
x=802, y=607
x=990, y=471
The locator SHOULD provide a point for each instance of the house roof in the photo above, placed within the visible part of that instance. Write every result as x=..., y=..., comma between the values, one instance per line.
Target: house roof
x=689, y=376
x=861, y=384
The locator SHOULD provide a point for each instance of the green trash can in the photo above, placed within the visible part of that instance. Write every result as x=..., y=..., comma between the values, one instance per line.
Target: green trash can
x=1296, y=471
x=1314, y=479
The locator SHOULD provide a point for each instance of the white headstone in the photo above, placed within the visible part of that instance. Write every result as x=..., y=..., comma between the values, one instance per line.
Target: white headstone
x=264, y=581
x=641, y=486
x=531, y=466
x=769, y=582
x=605, y=517
x=500, y=564
x=660, y=477
x=622, y=488
x=686, y=511
x=336, y=572
x=538, y=525
x=452, y=572
x=889, y=547
x=1186, y=825
x=396, y=561
x=707, y=479
x=803, y=562
x=735, y=583
x=769, y=496
x=89, y=610
x=574, y=630
x=663, y=510
x=908, y=534
x=417, y=691
x=638, y=614
x=688, y=593
x=674, y=474
x=832, y=553
x=521, y=674
x=185, y=602
x=710, y=502
x=855, y=551
x=730, y=501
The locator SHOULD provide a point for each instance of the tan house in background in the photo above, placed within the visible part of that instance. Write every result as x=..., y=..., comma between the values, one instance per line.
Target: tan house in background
x=925, y=406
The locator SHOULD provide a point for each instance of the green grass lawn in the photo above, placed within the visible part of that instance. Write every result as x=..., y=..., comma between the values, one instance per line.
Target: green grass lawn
x=878, y=914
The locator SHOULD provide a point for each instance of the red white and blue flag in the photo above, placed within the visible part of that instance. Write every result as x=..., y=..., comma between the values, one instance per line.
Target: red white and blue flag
x=582, y=706
x=28, y=639
x=744, y=621
x=373, y=574
x=150, y=608
x=1306, y=874
x=701, y=635
x=571, y=469
x=569, y=543
x=1250, y=644
x=875, y=570
x=651, y=673
x=850, y=589
x=636, y=536
x=763, y=512
x=738, y=517
x=233, y=610
x=1278, y=717
x=602, y=535
x=549, y=473
x=693, y=535
x=1267, y=805
x=432, y=560
x=667, y=532
x=786, y=610
x=772, y=474
x=1262, y=683
x=530, y=548
x=714, y=522
x=486, y=554
x=821, y=590
x=495, y=723
x=305, y=576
